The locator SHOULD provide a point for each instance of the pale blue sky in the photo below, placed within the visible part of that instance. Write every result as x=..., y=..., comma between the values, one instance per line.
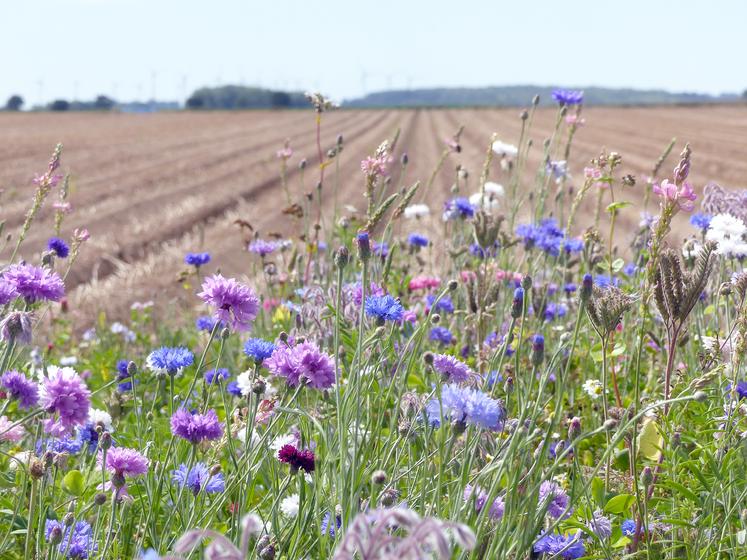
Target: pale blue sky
x=131, y=48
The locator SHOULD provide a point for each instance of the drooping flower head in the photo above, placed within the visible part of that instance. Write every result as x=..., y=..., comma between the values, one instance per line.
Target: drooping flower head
x=20, y=388
x=35, y=283
x=124, y=462
x=197, y=259
x=65, y=395
x=302, y=362
x=198, y=479
x=58, y=247
x=170, y=361
x=196, y=427
x=233, y=302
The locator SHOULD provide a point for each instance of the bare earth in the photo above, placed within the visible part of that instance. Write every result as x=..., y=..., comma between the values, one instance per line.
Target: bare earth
x=152, y=187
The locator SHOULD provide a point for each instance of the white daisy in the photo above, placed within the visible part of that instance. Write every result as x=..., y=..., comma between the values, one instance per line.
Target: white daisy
x=417, y=211
x=593, y=388
x=503, y=149
x=289, y=506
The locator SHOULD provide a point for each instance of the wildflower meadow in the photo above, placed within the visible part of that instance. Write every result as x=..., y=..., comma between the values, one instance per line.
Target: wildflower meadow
x=508, y=373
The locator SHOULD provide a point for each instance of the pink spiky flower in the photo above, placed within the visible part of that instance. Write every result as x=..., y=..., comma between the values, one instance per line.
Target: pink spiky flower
x=683, y=195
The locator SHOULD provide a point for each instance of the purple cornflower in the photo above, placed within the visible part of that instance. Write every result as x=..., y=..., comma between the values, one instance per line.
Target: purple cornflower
x=381, y=249
x=195, y=427
x=213, y=375
x=443, y=305
x=600, y=525
x=556, y=545
x=384, y=308
x=442, y=335
x=451, y=369
x=262, y=247
x=417, y=240
x=258, y=349
x=20, y=388
x=568, y=97
x=480, y=498
x=58, y=247
x=122, y=461
x=302, y=362
x=7, y=291
x=34, y=283
x=552, y=496
x=234, y=303
x=197, y=259
x=466, y=405
x=170, y=361
x=65, y=395
x=297, y=458
x=76, y=541
x=198, y=479
x=459, y=207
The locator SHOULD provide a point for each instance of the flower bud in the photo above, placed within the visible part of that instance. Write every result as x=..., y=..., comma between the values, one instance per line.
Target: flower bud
x=131, y=369
x=508, y=386
x=364, y=246
x=574, y=428
x=526, y=283
x=225, y=333
x=378, y=477
x=517, y=306
x=404, y=159
x=99, y=499
x=105, y=440
x=342, y=257
x=259, y=386
x=69, y=519
x=700, y=396
x=647, y=476
x=118, y=480
x=36, y=468
x=586, y=288
x=55, y=535
x=610, y=424
x=538, y=349
x=428, y=358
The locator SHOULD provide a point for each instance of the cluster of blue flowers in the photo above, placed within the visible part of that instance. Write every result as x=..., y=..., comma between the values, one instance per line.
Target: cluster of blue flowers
x=384, y=308
x=258, y=349
x=548, y=237
x=462, y=404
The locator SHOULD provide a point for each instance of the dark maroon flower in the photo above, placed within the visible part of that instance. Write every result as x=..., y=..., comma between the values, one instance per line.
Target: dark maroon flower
x=297, y=458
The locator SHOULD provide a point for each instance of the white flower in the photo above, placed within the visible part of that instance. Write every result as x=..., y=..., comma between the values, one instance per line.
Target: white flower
x=503, y=149
x=496, y=189
x=66, y=372
x=244, y=382
x=287, y=439
x=21, y=458
x=729, y=233
x=68, y=360
x=417, y=211
x=593, y=388
x=289, y=506
x=97, y=416
x=488, y=202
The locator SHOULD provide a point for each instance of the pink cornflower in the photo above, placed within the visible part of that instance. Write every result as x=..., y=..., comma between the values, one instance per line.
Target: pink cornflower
x=575, y=120
x=122, y=461
x=424, y=283
x=234, y=303
x=14, y=434
x=683, y=195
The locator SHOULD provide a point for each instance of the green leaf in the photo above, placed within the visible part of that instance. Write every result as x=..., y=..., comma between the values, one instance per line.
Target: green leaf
x=621, y=542
x=615, y=206
x=683, y=490
x=619, y=504
x=597, y=490
x=73, y=483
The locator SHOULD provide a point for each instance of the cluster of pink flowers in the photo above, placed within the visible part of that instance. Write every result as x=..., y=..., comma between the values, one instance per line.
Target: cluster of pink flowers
x=682, y=195
x=596, y=175
x=375, y=166
x=424, y=283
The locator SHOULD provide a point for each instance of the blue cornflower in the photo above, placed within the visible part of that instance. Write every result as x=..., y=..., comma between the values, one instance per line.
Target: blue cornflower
x=71, y=445
x=205, y=323
x=700, y=221
x=459, y=207
x=330, y=528
x=197, y=259
x=528, y=234
x=58, y=247
x=556, y=545
x=568, y=97
x=462, y=404
x=384, y=308
x=481, y=253
x=554, y=311
x=381, y=249
x=604, y=281
x=233, y=388
x=570, y=288
x=417, y=240
x=170, y=360
x=444, y=305
x=742, y=389
x=213, y=375
x=628, y=527
x=630, y=269
x=442, y=335
x=77, y=540
x=88, y=435
x=258, y=349
x=198, y=479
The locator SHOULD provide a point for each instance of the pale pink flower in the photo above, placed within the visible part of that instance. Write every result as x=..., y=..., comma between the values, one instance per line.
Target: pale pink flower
x=8, y=433
x=63, y=207
x=575, y=120
x=596, y=175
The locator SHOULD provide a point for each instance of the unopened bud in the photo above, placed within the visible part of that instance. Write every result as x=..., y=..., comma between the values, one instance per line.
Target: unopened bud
x=428, y=358
x=517, y=306
x=647, y=476
x=574, y=428
x=342, y=257
x=378, y=477
x=69, y=519
x=453, y=285
x=225, y=333
x=99, y=499
x=55, y=535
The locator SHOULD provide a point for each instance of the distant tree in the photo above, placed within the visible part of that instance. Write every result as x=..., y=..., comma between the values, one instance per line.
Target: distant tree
x=15, y=102
x=280, y=99
x=195, y=102
x=104, y=103
x=59, y=105
x=744, y=94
